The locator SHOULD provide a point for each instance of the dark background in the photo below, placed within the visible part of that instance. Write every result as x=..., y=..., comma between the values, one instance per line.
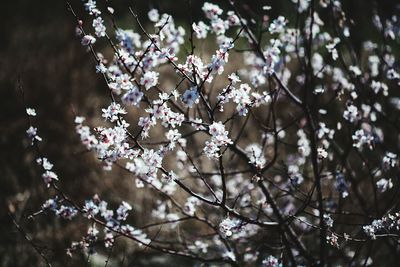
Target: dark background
x=38, y=44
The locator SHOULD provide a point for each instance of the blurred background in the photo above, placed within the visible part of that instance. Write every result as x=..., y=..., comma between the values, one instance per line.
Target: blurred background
x=38, y=46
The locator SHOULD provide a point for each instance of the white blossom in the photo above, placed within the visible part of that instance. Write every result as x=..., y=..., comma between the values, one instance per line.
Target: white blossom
x=31, y=112
x=153, y=15
x=88, y=40
x=149, y=79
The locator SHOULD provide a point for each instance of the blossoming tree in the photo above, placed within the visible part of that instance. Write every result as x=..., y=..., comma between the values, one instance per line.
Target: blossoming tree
x=279, y=157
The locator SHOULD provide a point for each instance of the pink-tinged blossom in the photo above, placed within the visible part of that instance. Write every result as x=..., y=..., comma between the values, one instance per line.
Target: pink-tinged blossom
x=153, y=15
x=146, y=123
x=172, y=119
x=108, y=240
x=241, y=97
x=112, y=112
x=88, y=40
x=66, y=212
x=271, y=261
x=87, y=139
x=211, y=149
x=234, y=78
x=120, y=82
x=198, y=124
x=171, y=36
x=149, y=79
x=109, y=144
x=211, y=11
x=124, y=81
x=78, y=31
x=272, y=57
x=260, y=99
x=32, y=134
x=132, y=97
x=201, y=29
x=146, y=168
x=219, y=137
x=99, y=28
x=173, y=136
x=220, y=58
x=158, y=111
x=332, y=239
x=233, y=19
x=219, y=26
x=194, y=62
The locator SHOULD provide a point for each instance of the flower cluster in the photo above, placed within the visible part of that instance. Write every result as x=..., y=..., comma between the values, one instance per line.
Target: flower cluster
x=219, y=137
x=271, y=261
x=387, y=223
x=228, y=225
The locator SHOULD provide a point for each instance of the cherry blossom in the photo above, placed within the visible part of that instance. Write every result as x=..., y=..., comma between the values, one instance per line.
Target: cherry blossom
x=32, y=134
x=201, y=29
x=31, y=112
x=276, y=131
x=98, y=25
x=149, y=79
x=153, y=15
x=88, y=40
x=112, y=112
